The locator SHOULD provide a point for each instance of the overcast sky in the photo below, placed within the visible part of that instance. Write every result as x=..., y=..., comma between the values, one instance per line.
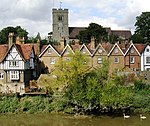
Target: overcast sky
x=35, y=15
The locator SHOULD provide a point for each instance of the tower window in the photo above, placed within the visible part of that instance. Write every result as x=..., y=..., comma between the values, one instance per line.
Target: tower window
x=60, y=18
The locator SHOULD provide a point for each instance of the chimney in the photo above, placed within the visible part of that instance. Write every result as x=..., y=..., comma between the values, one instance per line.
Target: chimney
x=62, y=43
x=92, y=42
x=22, y=40
x=10, y=39
x=39, y=45
x=18, y=40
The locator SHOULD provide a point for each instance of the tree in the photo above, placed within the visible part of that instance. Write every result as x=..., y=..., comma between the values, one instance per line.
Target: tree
x=142, y=30
x=93, y=30
x=18, y=31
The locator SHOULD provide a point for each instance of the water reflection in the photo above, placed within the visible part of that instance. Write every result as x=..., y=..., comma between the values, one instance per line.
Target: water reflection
x=61, y=120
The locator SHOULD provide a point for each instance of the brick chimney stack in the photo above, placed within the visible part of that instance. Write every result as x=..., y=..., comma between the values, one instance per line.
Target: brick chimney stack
x=62, y=43
x=10, y=39
x=92, y=43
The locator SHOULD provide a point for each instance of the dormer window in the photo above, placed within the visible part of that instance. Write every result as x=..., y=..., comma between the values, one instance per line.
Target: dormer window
x=116, y=50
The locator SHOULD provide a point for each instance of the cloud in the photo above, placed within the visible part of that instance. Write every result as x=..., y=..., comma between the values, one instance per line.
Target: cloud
x=35, y=15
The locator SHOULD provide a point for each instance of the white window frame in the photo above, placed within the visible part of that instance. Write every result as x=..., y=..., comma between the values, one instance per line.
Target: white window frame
x=147, y=50
x=116, y=50
x=67, y=51
x=52, y=61
x=148, y=60
x=132, y=59
x=100, y=51
x=132, y=50
x=116, y=60
x=14, y=75
x=99, y=60
x=83, y=50
x=31, y=62
x=14, y=63
x=1, y=75
x=49, y=51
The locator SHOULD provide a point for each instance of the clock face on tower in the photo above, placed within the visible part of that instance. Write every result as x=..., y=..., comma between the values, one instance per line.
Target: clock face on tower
x=60, y=24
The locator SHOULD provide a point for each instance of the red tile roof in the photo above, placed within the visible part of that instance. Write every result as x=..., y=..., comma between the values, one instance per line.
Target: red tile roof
x=3, y=51
x=107, y=46
x=23, y=49
x=140, y=47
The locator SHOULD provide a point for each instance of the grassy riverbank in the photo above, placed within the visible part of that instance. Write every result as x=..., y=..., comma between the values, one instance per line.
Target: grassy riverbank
x=140, y=103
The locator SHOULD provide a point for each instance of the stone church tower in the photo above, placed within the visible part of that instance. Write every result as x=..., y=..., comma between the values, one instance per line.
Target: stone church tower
x=60, y=25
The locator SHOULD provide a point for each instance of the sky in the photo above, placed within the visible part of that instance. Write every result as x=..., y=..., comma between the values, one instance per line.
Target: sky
x=36, y=15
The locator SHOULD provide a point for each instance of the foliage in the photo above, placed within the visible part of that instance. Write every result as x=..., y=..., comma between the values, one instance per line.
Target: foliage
x=71, y=71
x=93, y=30
x=18, y=31
x=142, y=33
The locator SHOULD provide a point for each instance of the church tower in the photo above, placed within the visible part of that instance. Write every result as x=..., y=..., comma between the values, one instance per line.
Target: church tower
x=60, y=24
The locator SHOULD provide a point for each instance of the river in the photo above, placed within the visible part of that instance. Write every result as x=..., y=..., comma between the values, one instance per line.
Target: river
x=65, y=120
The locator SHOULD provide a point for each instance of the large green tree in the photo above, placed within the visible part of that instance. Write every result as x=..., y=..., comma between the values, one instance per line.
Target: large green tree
x=95, y=30
x=142, y=31
x=18, y=31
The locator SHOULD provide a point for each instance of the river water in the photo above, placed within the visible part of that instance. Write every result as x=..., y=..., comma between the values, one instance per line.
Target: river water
x=65, y=120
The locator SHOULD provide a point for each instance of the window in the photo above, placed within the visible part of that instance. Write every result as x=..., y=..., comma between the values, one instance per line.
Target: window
x=99, y=60
x=52, y=61
x=49, y=51
x=133, y=69
x=60, y=17
x=67, y=59
x=84, y=51
x=13, y=63
x=116, y=51
x=132, y=50
x=100, y=51
x=147, y=50
x=31, y=62
x=147, y=59
x=14, y=75
x=132, y=59
x=116, y=60
x=67, y=51
x=1, y=75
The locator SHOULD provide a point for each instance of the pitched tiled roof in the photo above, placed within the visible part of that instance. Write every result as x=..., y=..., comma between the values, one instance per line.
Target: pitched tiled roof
x=124, y=46
x=25, y=50
x=3, y=51
x=140, y=47
x=73, y=31
x=107, y=46
x=75, y=47
x=123, y=33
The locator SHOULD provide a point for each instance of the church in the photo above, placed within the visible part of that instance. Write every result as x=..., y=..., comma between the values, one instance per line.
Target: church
x=61, y=28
